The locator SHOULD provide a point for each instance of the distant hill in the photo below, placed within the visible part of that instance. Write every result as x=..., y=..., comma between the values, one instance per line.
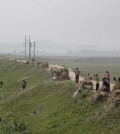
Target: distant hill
x=53, y=48
x=93, y=53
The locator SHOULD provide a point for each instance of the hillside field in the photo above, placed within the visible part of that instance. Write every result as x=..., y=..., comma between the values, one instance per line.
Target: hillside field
x=57, y=112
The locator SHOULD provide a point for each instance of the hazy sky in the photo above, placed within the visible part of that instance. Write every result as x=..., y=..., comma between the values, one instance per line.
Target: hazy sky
x=84, y=23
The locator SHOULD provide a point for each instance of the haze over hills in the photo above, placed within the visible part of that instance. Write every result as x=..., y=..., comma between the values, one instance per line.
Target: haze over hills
x=94, y=53
x=53, y=48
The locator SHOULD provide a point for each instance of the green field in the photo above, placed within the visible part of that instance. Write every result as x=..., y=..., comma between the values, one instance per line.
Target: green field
x=57, y=111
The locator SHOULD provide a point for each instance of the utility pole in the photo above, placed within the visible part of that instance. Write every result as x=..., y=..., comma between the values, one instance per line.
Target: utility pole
x=25, y=47
x=34, y=50
x=29, y=49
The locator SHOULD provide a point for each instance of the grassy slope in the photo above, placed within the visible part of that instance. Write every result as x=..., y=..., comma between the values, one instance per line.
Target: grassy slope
x=57, y=111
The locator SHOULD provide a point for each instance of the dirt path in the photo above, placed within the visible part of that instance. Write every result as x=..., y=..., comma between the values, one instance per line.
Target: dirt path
x=72, y=76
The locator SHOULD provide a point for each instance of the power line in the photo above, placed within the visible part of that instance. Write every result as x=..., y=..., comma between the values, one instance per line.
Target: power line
x=28, y=41
x=34, y=49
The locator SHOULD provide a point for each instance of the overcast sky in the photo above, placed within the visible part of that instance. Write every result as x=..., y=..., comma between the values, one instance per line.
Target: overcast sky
x=84, y=23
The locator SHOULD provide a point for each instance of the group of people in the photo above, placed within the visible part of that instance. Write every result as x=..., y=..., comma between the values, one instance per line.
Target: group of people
x=105, y=80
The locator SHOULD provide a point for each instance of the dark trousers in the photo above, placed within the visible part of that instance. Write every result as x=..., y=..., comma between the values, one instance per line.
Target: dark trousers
x=77, y=79
x=97, y=86
x=24, y=86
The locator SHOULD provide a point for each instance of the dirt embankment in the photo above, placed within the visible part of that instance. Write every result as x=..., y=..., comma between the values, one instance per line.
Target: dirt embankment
x=71, y=74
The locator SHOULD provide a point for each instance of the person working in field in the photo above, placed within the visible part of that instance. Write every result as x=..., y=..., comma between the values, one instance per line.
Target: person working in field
x=116, y=80
x=89, y=76
x=1, y=83
x=94, y=76
x=107, y=75
x=106, y=84
x=24, y=85
x=97, y=82
x=107, y=78
x=77, y=74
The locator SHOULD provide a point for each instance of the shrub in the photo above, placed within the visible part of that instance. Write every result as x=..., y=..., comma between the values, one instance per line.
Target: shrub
x=9, y=125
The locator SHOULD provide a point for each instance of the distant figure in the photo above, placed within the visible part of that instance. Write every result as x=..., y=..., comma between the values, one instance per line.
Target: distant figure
x=107, y=75
x=116, y=80
x=34, y=113
x=77, y=91
x=119, y=79
x=89, y=77
x=0, y=119
x=106, y=84
x=94, y=76
x=33, y=59
x=97, y=81
x=1, y=83
x=27, y=62
x=77, y=74
x=24, y=84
